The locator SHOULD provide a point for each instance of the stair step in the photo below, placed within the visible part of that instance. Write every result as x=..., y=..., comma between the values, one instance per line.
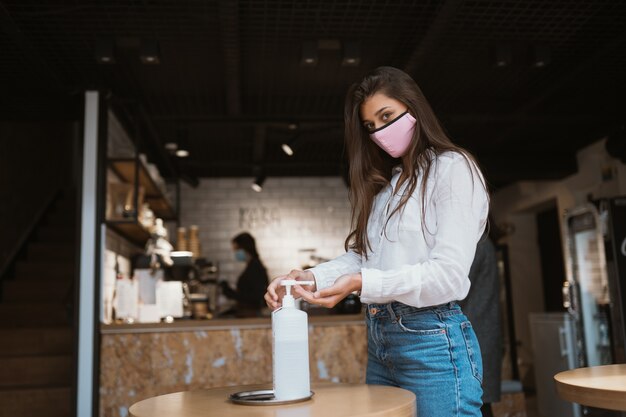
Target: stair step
x=57, y=234
x=51, y=251
x=33, y=315
x=24, y=371
x=36, y=290
x=36, y=341
x=44, y=270
x=31, y=402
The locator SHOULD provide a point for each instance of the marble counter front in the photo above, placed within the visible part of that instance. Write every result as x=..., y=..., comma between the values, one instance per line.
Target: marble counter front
x=139, y=361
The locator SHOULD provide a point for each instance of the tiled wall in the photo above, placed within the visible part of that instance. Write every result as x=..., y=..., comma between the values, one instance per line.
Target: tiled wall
x=289, y=215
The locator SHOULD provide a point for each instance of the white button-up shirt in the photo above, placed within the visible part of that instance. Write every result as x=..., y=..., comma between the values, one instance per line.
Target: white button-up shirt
x=420, y=262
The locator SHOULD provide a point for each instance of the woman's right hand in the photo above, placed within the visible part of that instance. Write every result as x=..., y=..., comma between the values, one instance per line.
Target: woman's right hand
x=275, y=291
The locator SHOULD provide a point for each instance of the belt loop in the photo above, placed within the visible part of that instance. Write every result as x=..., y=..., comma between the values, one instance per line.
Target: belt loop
x=392, y=314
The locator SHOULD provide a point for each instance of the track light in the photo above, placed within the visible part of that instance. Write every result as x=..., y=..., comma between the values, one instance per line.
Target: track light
x=257, y=185
x=287, y=149
x=105, y=51
x=150, y=53
x=309, y=54
x=288, y=146
x=351, y=54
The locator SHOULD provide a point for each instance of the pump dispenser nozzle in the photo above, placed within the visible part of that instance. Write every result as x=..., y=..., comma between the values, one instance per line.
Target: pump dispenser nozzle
x=288, y=300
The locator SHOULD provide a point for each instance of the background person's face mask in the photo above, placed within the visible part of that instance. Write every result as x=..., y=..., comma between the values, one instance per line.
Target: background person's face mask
x=240, y=255
x=395, y=137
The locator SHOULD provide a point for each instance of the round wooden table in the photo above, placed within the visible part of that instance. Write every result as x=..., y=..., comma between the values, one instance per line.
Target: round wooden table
x=597, y=386
x=330, y=400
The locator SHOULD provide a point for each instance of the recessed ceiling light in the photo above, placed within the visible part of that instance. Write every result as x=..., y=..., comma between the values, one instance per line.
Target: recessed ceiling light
x=150, y=53
x=171, y=146
x=182, y=153
x=309, y=54
x=351, y=54
x=105, y=51
x=540, y=56
x=503, y=56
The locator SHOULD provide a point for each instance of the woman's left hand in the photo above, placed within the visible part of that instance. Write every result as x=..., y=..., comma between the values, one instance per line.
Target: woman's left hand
x=329, y=297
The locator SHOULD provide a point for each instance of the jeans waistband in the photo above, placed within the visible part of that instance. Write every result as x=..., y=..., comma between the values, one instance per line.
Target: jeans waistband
x=398, y=309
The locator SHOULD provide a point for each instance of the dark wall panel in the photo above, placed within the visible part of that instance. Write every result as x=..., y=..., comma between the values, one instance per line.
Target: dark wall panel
x=35, y=161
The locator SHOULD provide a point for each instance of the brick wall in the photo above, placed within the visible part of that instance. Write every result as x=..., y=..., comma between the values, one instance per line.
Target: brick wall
x=289, y=215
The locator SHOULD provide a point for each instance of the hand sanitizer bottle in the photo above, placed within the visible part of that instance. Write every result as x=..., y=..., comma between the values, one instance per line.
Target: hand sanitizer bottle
x=290, y=348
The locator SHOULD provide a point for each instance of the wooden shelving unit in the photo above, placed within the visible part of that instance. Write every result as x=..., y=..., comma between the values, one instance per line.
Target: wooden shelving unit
x=131, y=230
x=159, y=203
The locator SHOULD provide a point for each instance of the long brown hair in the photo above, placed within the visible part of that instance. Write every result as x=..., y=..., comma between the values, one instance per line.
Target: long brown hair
x=371, y=168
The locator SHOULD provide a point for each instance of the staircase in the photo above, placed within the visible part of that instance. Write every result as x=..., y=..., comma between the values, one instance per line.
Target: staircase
x=36, y=334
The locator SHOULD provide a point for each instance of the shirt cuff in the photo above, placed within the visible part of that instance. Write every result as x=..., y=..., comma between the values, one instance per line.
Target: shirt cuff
x=371, y=283
x=319, y=278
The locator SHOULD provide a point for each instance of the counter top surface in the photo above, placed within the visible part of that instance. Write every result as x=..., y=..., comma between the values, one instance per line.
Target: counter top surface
x=338, y=400
x=597, y=386
x=221, y=324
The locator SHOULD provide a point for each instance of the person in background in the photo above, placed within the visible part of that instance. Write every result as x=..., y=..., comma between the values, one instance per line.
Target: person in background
x=252, y=282
x=482, y=308
x=419, y=208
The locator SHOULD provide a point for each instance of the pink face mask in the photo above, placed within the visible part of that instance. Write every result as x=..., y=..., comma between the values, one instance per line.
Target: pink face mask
x=395, y=137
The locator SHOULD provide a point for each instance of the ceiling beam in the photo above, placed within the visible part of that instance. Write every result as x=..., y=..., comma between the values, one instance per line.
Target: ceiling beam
x=284, y=119
x=433, y=34
x=241, y=169
x=320, y=121
x=228, y=11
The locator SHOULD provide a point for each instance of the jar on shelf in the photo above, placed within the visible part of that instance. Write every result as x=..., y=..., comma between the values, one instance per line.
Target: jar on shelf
x=181, y=239
x=199, y=305
x=194, y=241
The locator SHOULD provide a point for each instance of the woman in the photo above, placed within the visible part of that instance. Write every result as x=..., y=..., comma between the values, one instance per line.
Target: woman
x=252, y=281
x=419, y=207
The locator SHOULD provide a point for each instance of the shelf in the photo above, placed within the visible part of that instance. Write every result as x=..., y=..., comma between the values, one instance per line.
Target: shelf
x=131, y=230
x=124, y=168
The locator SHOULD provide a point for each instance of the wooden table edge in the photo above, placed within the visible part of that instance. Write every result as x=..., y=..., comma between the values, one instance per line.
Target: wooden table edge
x=400, y=410
x=592, y=397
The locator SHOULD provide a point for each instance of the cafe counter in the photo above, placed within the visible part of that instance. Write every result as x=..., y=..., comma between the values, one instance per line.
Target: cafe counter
x=139, y=361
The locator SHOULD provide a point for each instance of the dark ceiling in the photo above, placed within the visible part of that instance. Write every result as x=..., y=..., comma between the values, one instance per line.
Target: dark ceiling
x=230, y=78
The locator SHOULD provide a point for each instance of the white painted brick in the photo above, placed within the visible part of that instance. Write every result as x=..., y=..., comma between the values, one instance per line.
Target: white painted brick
x=227, y=183
x=301, y=205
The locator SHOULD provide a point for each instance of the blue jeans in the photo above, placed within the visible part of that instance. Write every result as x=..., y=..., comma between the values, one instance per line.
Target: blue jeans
x=431, y=351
